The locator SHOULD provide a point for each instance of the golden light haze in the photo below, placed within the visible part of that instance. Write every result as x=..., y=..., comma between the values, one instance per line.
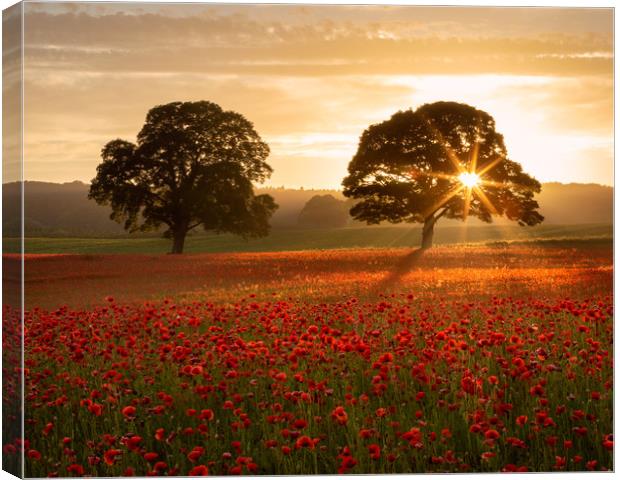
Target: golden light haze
x=312, y=78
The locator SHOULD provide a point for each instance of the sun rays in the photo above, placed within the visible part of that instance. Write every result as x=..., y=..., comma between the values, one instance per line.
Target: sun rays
x=467, y=177
x=467, y=181
x=471, y=183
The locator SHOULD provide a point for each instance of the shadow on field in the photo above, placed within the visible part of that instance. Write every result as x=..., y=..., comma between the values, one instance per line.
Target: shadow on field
x=404, y=265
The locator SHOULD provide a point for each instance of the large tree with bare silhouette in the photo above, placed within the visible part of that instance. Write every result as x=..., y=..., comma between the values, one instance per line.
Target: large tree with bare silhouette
x=444, y=159
x=193, y=165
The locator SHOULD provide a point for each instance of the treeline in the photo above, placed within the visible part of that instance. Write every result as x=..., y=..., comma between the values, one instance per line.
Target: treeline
x=54, y=209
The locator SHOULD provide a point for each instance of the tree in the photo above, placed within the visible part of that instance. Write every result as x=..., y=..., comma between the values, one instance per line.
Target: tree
x=193, y=165
x=444, y=159
x=324, y=211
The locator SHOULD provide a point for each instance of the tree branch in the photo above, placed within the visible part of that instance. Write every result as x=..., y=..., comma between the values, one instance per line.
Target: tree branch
x=191, y=227
x=441, y=214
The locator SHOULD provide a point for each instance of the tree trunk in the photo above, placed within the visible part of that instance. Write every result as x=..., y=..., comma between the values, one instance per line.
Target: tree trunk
x=427, y=233
x=178, y=241
x=427, y=229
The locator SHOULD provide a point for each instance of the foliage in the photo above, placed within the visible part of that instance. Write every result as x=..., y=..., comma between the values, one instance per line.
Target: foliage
x=324, y=211
x=406, y=169
x=193, y=165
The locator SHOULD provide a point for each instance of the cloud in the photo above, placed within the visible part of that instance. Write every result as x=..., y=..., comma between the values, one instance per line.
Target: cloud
x=217, y=43
x=312, y=78
x=298, y=117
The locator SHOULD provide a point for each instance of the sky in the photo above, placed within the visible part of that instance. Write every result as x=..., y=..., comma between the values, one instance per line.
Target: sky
x=312, y=78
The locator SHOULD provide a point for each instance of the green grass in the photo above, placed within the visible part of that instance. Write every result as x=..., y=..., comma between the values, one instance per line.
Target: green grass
x=305, y=239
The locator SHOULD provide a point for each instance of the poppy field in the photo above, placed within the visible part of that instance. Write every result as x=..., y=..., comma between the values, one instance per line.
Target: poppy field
x=467, y=359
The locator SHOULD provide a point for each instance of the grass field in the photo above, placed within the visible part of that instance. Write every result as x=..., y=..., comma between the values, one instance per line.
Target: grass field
x=85, y=280
x=300, y=239
x=463, y=359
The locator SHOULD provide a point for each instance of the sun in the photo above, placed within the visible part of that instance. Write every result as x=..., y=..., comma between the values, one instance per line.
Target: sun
x=469, y=179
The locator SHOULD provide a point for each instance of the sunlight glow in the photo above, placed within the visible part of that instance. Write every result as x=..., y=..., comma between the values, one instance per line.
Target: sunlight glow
x=469, y=179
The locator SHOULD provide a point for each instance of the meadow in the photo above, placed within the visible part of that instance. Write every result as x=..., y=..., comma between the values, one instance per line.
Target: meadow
x=467, y=358
x=384, y=236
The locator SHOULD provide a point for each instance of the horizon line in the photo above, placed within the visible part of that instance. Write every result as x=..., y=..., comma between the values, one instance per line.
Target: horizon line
x=299, y=187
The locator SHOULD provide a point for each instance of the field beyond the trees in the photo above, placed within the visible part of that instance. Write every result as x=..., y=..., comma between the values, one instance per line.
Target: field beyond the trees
x=468, y=358
x=298, y=239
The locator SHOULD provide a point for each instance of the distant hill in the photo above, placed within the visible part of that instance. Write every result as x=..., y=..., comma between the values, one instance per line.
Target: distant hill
x=54, y=209
x=573, y=203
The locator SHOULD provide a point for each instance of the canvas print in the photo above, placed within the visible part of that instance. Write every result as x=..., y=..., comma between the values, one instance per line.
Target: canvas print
x=306, y=239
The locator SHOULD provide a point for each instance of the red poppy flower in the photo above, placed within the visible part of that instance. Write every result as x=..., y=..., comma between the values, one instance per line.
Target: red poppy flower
x=340, y=415
x=195, y=454
x=300, y=424
x=129, y=411
x=206, y=415
x=374, y=451
x=34, y=454
x=48, y=428
x=75, y=468
x=521, y=420
x=560, y=462
x=151, y=456
x=109, y=456
x=199, y=471
x=96, y=409
x=304, y=442
x=414, y=437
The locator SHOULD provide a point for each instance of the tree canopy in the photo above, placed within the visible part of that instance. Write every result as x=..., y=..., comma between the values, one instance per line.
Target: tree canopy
x=324, y=211
x=444, y=159
x=193, y=165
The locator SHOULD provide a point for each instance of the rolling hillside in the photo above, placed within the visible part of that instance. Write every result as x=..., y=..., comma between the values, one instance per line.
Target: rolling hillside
x=64, y=210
